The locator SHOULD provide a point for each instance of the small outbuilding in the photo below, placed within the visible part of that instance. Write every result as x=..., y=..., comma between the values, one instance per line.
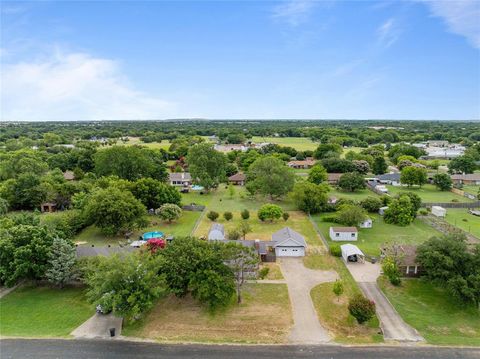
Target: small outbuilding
x=351, y=253
x=368, y=223
x=217, y=232
x=439, y=211
x=238, y=179
x=288, y=243
x=382, y=210
x=48, y=207
x=69, y=176
x=343, y=234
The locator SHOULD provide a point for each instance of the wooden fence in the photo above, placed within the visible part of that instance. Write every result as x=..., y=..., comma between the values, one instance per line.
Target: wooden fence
x=452, y=204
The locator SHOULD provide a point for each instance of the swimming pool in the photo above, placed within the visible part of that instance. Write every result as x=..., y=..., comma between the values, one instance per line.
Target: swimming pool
x=149, y=235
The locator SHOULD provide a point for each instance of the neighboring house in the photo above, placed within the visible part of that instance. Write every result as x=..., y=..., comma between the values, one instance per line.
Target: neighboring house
x=389, y=178
x=68, y=175
x=180, y=179
x=439, y=211
x=229, y=148
x=437, y=143
x=470, y=179
x=351, y=253
x=443, y=152
x=368, y=223
x=332, y=178
x=217, y=232
x=48, y=207
x=301, y=164
x=238, y=179
x=289, y=243
x=382, y=210
x=343, y=233
x=406, y=256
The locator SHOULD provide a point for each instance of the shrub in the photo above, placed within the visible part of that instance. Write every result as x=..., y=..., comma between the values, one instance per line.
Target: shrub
x=245, y=214
x=228, y=216
x=371, y=204
x=338, y=288
x=262, y=273
x=423, y=212
x=335, y=250
x=234, y=235
x=361, y=308
x=169, y=212
x=285, y=216
x=270, y=212
x=212, y=215
x=390, y=269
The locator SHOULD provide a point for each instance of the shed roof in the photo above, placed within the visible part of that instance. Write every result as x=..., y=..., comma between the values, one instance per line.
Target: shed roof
x=344, y=229
x=334, y=176
x=237, y=177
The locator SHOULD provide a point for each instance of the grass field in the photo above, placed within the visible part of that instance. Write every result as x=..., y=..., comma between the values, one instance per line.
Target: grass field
x=428, y=193
x=256, y=320
x=332, y=311
x=165, y=144
x=356, y=196
x=43, y=312
x=299, y=143
x=460, y=218
x=439, y=318
x=182, y=227
x=370, y=239
x=471, y=189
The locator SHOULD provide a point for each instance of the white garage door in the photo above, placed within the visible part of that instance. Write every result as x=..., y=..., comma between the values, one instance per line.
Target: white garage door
x=290, y=251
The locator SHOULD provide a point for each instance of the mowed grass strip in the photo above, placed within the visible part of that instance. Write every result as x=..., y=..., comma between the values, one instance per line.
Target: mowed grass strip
x=43, y=312
x=370, y=239
x=333, y=311
x=264, y=316
x=428, y=193
x=439, y=318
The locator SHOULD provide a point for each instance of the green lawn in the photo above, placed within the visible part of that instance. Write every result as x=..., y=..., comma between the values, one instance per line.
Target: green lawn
x=255, y=320
x=428, y=193
x=356, y=196
x=471, y=189
x=370, y=239
x=438, y=317
x=182, y=227
x=460, y=218
x=332, y=311
x=43, y=312
x=299, y=143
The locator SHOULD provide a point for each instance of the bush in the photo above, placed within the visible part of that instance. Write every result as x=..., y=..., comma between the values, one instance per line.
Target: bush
x=390, y=269
x=270, y=212
x=423, y=212
x=228, y=216
x=361, y=308
x=285, y=216
x=245, y=214
x=335, y=250
x=212, y=215
x=234, y=235
x=262, y=273
x=371, y=204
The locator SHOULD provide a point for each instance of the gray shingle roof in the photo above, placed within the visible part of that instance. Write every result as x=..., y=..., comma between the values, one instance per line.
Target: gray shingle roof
x=288, y=233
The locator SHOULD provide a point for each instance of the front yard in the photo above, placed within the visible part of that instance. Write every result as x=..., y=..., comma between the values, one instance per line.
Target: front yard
x=43, y=312
x=438, y=317
x=370, y=239
x=428, y=193
x=263, y=317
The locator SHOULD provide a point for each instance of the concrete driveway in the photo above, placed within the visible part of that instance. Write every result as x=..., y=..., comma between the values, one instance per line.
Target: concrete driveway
x=300, y=281
x=98, y=326
x=393, y=326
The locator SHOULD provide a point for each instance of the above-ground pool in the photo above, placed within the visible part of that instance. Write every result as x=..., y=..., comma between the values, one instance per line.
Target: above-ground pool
x=149, y=235
x=196, y=188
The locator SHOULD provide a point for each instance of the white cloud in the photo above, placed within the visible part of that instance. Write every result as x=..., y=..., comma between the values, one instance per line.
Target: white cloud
x=73, y=86
x=461, y=16
x=388, y=33
x=293, y=12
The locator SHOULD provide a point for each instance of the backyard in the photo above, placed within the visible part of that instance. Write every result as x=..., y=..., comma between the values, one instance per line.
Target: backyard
x=255, y=320
x=428, y=193
x=439, y=318
x=370, y=239
x=459, y=217
x=299, y=143
x=43, y=312
x=356, y=196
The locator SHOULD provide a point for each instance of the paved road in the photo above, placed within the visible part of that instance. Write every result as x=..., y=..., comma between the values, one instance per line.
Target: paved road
x=92, y=349
x=393, y=326
x=300, y=281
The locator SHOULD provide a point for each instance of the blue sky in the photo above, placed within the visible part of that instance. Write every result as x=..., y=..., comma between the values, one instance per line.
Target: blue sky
x=240, y=59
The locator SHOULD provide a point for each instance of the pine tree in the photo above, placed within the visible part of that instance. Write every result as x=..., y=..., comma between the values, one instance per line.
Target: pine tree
x=61, y=263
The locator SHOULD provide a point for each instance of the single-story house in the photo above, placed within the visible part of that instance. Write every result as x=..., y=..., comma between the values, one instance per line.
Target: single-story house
x=406, y=256
x=439, y=211
x=48, y=207
x=217, y=232
x=301, y=164
x=351, y=253
x=180, y=179
x=368, y=223
x=389, y=178
x=288, y=243
x=238, y=179
x=343, y=234
x=68, y=175
x=332, y=178
x=230, y=147
x=382, y=210
x=470, y=179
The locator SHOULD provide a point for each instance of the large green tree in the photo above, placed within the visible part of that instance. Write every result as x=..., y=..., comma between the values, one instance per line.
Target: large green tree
x=400, y=211
x=206, y=165
x=350, y=215
x=463, y=164
x=317, y=174
x=61, y=263
x=310, y=197
x=351, y=182
x=412, y=175
x=442, y=181
x=270, y=176
x=154, y=193
x=326, y=150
